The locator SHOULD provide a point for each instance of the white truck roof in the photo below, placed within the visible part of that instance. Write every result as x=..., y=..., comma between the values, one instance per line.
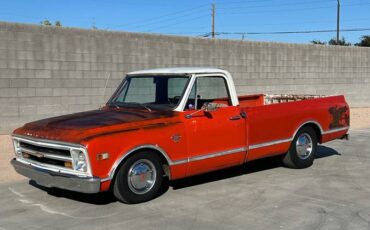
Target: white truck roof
x=192, y=70
x=180, y=70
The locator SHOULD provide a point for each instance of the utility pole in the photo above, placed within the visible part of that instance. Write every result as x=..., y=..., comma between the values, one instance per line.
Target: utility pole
x=338, y=17
x=213, y=19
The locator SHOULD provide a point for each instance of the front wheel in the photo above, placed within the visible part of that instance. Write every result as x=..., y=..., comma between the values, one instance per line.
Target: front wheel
x=139, y=178
x=302, y=150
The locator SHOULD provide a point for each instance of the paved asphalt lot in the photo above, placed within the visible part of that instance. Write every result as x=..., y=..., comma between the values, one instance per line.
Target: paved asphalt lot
x=333, y=194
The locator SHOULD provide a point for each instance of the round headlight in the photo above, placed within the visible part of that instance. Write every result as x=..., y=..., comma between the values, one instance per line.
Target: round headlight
x=81, y=156
x=79, y=161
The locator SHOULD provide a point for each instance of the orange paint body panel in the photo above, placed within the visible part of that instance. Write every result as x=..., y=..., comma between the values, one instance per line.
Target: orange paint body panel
x=192, y=142
x=204, y=134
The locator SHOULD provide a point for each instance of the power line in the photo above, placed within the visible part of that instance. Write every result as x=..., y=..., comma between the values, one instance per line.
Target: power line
x=279, y=5
x=241, y=3
x=241, y=33
x=156, y=19
x=276, y=10
x=287, y=32
x=161, y=18
x=179, y=22
x=291, y=10
x=164, y=20
x=305, y=22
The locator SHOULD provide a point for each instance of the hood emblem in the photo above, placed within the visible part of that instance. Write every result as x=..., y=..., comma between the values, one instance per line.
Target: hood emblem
x=176, y=138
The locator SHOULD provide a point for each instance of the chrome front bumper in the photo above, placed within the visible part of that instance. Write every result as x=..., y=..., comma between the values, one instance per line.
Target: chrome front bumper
x=58, y=180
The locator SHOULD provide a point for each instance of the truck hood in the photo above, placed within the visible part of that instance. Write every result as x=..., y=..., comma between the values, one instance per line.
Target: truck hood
x=76, y=128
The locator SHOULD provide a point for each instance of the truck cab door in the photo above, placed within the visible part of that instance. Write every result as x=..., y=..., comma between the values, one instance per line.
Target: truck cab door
x=216, y=137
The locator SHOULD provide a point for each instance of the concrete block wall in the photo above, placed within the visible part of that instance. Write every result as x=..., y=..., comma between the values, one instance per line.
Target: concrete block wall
x=49, y=71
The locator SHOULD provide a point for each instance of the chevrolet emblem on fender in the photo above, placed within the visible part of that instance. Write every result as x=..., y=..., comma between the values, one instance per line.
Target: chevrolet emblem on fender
x=176, y=138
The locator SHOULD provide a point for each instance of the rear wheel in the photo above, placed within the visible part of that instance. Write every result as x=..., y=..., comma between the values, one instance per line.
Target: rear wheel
x=302, y=151
x=139, y=178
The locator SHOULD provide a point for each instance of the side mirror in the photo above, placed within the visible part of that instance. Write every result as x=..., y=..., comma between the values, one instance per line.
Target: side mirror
x=210, y=107
x=207, y=107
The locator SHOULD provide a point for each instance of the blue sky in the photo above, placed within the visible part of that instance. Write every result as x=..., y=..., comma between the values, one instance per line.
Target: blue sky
x=193, y=17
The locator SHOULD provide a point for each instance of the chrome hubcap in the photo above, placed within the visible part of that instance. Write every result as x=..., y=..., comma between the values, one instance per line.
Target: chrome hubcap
x=304, y=146
x=141, y=176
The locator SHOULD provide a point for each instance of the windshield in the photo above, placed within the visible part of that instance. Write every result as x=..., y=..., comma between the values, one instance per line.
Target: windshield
x=150, y=92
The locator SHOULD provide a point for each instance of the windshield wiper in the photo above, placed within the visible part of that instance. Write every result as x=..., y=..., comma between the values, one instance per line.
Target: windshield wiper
x=113, y=104
x=122, y=104
x=139, y=104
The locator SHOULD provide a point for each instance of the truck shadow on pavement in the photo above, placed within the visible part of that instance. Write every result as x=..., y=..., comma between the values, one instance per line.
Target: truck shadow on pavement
x=96, y=199
x=248, y=168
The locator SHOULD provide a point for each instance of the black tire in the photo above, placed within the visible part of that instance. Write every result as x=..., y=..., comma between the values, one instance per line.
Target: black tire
x=293, y=159
x=124, y=188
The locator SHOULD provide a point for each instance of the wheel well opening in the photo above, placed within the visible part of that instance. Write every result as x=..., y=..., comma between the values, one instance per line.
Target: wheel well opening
x=317, y=130
x=164, y=162
x=158, y=153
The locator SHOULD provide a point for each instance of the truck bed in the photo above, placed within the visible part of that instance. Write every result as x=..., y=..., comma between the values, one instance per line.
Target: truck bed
x=276, y=119
x=267, y=99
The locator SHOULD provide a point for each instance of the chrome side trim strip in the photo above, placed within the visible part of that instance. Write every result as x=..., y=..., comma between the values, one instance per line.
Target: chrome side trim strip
x=179, y=162
x=336, y=130
x=216, y=154
x=280, y=141
x=265, y=144
x=209, y=155
x=170, y=162
x=106, y=179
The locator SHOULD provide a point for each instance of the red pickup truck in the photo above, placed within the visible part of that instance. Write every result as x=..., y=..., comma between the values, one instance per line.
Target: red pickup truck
x=170, y=124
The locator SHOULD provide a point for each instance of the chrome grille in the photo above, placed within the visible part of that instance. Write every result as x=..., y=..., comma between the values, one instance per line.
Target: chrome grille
x=46, y=155
x=51, y=155
x=53, y=151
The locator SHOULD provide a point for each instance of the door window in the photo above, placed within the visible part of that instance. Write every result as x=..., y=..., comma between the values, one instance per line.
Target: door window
x=208, y=89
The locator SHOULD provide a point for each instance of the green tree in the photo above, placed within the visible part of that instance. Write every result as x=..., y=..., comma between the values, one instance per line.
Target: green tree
x=58, y=23
x=365, y=41
x=46, y=23
x=341, y=42
x=318, y=42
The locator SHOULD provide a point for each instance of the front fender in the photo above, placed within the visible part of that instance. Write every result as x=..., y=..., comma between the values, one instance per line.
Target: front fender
x=120, y=145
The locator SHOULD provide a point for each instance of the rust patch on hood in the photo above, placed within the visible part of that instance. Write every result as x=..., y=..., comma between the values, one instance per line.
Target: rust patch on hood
x=80, y=126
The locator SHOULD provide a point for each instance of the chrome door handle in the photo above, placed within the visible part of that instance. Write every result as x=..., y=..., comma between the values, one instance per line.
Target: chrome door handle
x=234, y=118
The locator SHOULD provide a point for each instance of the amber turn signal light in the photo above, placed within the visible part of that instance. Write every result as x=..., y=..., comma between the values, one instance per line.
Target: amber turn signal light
x=68, y=164
x=102, y=156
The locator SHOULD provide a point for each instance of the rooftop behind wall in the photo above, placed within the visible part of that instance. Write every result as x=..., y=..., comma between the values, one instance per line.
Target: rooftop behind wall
x=49, y=71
